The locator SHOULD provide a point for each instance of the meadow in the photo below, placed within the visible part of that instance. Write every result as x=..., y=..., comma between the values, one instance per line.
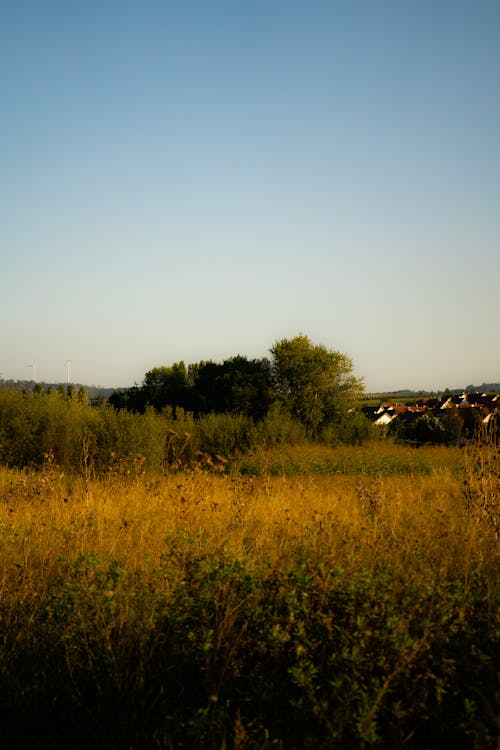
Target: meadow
x=294, y=597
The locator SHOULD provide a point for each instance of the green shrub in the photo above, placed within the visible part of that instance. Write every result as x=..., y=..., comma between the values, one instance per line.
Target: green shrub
x=279, y=428
x=223, y=434
x=353, y=428
x=205, y=649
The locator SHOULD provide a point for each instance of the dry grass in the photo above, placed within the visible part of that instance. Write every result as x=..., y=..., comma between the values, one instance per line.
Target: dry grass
x=189, y=611
x=353, y=521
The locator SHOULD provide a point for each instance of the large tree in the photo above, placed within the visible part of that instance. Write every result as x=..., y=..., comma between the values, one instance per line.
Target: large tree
x=317, y=384
x=237, y=385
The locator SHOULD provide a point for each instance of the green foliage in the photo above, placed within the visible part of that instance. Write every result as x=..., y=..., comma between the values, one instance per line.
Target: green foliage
x=206, y=649
x=453, y=426
x=81, y=439
x=164, y=386
x=315, y=383
x=428, y=429
x=236, y=386
x=279, y=428
x=445, y=429
x=93, y=440
x=223, y=434
x=376, y=459
x=33, y=425
x=352, y=427
x=200, y=644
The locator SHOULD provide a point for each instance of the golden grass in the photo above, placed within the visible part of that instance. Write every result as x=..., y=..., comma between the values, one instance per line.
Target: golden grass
x=358, y=522
x=111, y=589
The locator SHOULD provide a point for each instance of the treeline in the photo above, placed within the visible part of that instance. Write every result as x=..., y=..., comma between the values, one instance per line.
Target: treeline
x=313, y=384
x=37, y=427
x=303, y=392
x=236, y=386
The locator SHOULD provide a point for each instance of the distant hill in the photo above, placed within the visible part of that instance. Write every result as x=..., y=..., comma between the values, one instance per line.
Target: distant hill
x=96, y=392
x=93, y=391
x=484, y=387
x=407, y=393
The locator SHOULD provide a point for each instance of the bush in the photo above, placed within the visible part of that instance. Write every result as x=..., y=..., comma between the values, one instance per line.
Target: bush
x=353, y=428
x=93, y=440
x=279, y=428
x=207, y=649
x=223, y=434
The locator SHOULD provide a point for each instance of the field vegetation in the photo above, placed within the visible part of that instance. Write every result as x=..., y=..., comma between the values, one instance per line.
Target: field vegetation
x=86, y=440
x=295, y=596
x=249, y=578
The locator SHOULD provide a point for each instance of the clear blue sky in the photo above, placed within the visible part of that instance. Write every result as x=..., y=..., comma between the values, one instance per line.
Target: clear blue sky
x=194, y=180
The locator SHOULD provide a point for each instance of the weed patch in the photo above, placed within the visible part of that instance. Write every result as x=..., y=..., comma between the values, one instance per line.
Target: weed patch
x=218, y=609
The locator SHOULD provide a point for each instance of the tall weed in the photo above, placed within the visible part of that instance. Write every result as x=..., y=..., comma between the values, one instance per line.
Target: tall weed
x=338, y=610
x=481, y=483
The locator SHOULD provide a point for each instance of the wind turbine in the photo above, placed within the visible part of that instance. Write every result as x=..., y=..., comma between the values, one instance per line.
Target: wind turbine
x=68, y=363
x=34, y=371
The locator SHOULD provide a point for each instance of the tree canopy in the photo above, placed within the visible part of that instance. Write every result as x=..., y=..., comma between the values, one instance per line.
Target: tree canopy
x=237, y=385
x=314, y=384
x=317, y=384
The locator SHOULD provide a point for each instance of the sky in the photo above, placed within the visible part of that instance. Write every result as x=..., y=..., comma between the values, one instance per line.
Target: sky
x=196, y=180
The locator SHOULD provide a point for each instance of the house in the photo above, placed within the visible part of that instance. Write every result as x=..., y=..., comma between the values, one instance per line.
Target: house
x=385, y=418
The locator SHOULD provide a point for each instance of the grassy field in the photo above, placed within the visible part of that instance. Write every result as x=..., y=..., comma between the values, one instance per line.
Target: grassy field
x=298, y=598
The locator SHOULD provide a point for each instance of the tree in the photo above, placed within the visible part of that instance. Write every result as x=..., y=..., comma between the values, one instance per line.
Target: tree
x=429, y=429
x=132, y=399
x=166, y=386
x=237, y=385
x=317, y=384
